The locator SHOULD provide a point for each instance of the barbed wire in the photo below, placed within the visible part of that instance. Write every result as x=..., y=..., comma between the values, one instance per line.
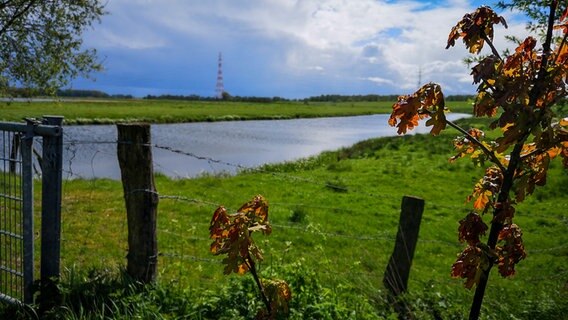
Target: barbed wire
x=240, y=167
x=308, y=229
x=260, y=169
x=315, y=230
x=188, y=257
x=325, y=267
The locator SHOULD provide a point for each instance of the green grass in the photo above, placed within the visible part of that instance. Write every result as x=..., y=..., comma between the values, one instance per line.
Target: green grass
x=334, y=217
x=160, y=111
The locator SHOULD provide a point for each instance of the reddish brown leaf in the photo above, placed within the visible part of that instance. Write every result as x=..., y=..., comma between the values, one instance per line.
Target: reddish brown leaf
x=482, y=200
x=512, y=133
x=504, y=213
x=437, y=121
x=231, y=234
x=510, y=249
x=563, y=22
x=487, y=70
x=471, y=228
x=279, y=295
x=533, y=169
x=486, y=189
x=218, y=223
x=427, y=101
x=465, y=146
x=257, y=206
x=484, y=105
x=405, y=113
x=518, y=64
x=469, y=266
x=474, y=28
x=564, y=155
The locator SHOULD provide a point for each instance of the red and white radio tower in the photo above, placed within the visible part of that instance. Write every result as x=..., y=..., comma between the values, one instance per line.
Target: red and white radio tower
x=219, y=88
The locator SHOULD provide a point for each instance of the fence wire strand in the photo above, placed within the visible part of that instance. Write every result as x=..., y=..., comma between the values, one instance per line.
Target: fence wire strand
x=181, y=253
x=296, y=179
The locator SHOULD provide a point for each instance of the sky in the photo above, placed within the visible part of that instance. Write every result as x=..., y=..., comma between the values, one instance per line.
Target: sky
x=285, y=48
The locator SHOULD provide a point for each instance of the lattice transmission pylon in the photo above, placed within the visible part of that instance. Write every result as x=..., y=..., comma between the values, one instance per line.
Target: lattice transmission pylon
x=219, y=88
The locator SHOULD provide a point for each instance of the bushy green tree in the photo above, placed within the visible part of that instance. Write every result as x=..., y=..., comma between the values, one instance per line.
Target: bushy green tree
x=537, y=12
x=41, y=44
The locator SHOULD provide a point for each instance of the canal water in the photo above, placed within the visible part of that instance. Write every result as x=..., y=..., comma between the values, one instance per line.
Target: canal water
x=191, y=149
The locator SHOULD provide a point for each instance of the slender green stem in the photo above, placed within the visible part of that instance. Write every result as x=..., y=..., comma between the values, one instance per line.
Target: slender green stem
x=252, y=267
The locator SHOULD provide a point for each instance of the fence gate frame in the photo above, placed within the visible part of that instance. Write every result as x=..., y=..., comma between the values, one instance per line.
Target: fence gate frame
x=49, y=128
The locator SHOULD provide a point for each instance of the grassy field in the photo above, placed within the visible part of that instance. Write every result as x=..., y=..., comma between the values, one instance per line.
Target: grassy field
x=334, y=217
x=160, y=111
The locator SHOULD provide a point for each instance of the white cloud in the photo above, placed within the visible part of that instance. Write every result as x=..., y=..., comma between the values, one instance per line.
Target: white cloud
x=378, y=80
x=316, y=68
x=384, y=42
x=135, y=41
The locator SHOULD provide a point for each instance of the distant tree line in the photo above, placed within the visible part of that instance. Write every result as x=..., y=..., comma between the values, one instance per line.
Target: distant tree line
x=191, y=97
x=351, y=98
x=75, y=93
x=320, y=98
x=225, y=97
x=460, y=97
x=63, y=93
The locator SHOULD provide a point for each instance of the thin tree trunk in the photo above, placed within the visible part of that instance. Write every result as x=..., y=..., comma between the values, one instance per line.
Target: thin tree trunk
x=497, y=226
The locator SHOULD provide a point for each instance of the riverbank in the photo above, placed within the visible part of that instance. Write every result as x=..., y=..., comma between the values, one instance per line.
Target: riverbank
x=177, y=111
x=334, y=218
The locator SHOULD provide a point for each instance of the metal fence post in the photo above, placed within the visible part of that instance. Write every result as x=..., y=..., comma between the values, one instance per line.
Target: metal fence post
x=17, y=258
x=51, y=202
x=27, y=211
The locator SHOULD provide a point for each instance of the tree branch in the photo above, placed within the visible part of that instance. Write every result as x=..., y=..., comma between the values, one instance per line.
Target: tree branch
x=549, y=31
x=490, y=44
x=5, y=4
x=488, y=152
x=16, y=16
x=540, y=81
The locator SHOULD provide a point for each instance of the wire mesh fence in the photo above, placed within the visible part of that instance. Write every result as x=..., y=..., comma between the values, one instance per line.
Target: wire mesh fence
x=11, y=213
x=16, y=221
x=17, y=264
x=184, y=242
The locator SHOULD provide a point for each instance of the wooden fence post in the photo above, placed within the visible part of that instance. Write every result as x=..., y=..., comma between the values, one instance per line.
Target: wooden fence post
x=135, y=159
x=398, y=269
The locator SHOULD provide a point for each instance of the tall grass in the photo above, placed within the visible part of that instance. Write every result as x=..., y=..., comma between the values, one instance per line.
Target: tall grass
x=163, y=111
x=334, y=217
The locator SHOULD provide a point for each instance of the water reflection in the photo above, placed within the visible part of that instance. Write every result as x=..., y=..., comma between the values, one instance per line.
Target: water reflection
x=90, y=151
